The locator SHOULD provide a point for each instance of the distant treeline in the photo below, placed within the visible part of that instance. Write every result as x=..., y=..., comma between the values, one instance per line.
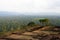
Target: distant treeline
x=17, y=22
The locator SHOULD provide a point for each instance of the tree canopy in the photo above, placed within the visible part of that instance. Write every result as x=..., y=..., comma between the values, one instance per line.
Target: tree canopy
x=44, y=22
x=31, y=24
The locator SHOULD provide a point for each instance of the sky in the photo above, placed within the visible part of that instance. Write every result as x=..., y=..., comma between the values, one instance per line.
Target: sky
x=31, y=6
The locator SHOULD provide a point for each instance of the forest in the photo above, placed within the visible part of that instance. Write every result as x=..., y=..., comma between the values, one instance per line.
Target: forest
x=19, y=23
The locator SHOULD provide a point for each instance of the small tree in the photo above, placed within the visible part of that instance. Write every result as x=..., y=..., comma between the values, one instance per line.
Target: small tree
x=31, y=24
x=47, y=22
x=44, y=22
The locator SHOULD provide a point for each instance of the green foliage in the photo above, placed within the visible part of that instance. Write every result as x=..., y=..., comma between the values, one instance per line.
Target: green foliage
x=31, y=24
x=44, y=22
x=15, y=23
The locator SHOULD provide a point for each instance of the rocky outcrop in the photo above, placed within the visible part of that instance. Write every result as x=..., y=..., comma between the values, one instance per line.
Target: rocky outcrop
x=36, y=34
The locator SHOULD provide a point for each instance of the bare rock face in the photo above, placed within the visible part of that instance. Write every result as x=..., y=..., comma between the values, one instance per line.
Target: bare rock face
x=32, y=36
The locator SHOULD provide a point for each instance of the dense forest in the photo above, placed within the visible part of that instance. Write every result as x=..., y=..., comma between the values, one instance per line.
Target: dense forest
x=9, y=23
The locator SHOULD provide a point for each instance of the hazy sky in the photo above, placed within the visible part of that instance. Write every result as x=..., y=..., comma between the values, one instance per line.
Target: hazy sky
x=30, y=6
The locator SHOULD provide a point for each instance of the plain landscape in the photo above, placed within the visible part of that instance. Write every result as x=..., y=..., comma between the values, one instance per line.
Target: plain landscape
x=29, y=27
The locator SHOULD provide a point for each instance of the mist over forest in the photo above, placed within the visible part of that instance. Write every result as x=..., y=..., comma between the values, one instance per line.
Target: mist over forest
x=24, y=19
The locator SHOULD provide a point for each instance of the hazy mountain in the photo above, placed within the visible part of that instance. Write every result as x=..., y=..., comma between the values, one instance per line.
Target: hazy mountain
x=9, y=14
x=4, y=13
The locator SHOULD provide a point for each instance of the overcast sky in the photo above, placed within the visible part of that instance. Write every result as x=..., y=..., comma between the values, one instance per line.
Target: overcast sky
x=31, y=6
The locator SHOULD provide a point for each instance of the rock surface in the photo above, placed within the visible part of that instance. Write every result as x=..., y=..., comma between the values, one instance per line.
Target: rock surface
x=34, y=35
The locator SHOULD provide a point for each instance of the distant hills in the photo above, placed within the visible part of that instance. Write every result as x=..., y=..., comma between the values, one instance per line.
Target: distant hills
x=4, y=13
x=9, y=14
x=55, y=20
